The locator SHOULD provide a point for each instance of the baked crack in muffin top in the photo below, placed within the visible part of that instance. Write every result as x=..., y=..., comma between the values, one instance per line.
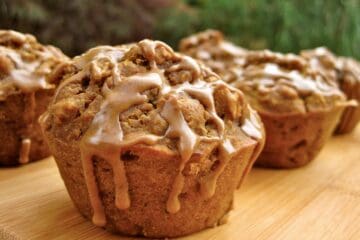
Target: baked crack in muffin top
x=147, y=94
x=210, y=47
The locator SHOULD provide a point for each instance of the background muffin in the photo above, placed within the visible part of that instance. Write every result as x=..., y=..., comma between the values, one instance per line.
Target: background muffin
x=346, y=73
x=148, y=141
x=210, y=47
x=350, y=84
x=298, y=105
x=25, y=91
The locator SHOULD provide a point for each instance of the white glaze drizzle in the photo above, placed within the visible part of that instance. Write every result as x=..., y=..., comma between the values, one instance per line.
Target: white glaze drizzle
x=23, y=74
x=251, y=126
x=270, y=72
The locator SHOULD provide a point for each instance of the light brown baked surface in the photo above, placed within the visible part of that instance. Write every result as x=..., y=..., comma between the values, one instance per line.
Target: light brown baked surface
x=211, y=48
x=25, y=91
x=151, y=169
x=299, y=106
x=286, y=84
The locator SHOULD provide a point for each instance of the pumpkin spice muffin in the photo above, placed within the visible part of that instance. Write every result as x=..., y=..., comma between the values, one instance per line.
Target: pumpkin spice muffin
x=149, y=142
x=298, y=106
x=210, y=47
x=25, y=91
x=349, y=82
x=346, y=73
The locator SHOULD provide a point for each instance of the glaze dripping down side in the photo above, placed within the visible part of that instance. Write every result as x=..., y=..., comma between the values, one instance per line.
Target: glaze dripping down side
x=156, y=84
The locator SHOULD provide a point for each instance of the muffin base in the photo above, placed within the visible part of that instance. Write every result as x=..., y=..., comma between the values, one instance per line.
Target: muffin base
x=294, y=140
x=349, y=120
x=351, y=115
x=150, y=173
x=18, y=121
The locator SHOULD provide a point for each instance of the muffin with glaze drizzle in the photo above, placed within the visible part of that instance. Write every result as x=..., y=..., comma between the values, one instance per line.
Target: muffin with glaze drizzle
x=25, y=91
x=148, y=141
x=346, y=73
x=210, y=47
x=297, y=104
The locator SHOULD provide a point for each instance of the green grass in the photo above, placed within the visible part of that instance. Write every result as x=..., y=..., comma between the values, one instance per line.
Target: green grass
x=280, y=25
x=286, y=26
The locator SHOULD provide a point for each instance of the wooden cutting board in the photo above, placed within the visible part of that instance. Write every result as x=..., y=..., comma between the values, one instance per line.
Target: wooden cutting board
x=319, y=201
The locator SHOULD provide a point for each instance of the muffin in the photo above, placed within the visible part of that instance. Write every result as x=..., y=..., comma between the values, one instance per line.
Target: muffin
x=346, y=73
x=210, y=47
x=349, y=82
x=299, y=107
x=148, y=141
x=25, y=91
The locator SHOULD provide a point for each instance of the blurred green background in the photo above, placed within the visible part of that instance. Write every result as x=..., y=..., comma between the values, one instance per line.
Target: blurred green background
x=280, y=25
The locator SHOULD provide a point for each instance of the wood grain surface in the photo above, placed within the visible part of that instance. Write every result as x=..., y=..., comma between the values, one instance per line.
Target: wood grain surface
x=319, y=201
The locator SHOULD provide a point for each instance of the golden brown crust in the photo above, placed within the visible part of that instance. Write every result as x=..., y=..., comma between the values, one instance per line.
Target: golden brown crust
x=25, y=91
x=180, y=140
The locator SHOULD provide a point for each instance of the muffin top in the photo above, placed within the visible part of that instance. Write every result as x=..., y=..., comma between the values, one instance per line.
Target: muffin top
x=25, y=64
x=323, y=60
x=112, y=97
x=139, y=83
x=344, y=71
x=210, y=47
x=286, y=83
